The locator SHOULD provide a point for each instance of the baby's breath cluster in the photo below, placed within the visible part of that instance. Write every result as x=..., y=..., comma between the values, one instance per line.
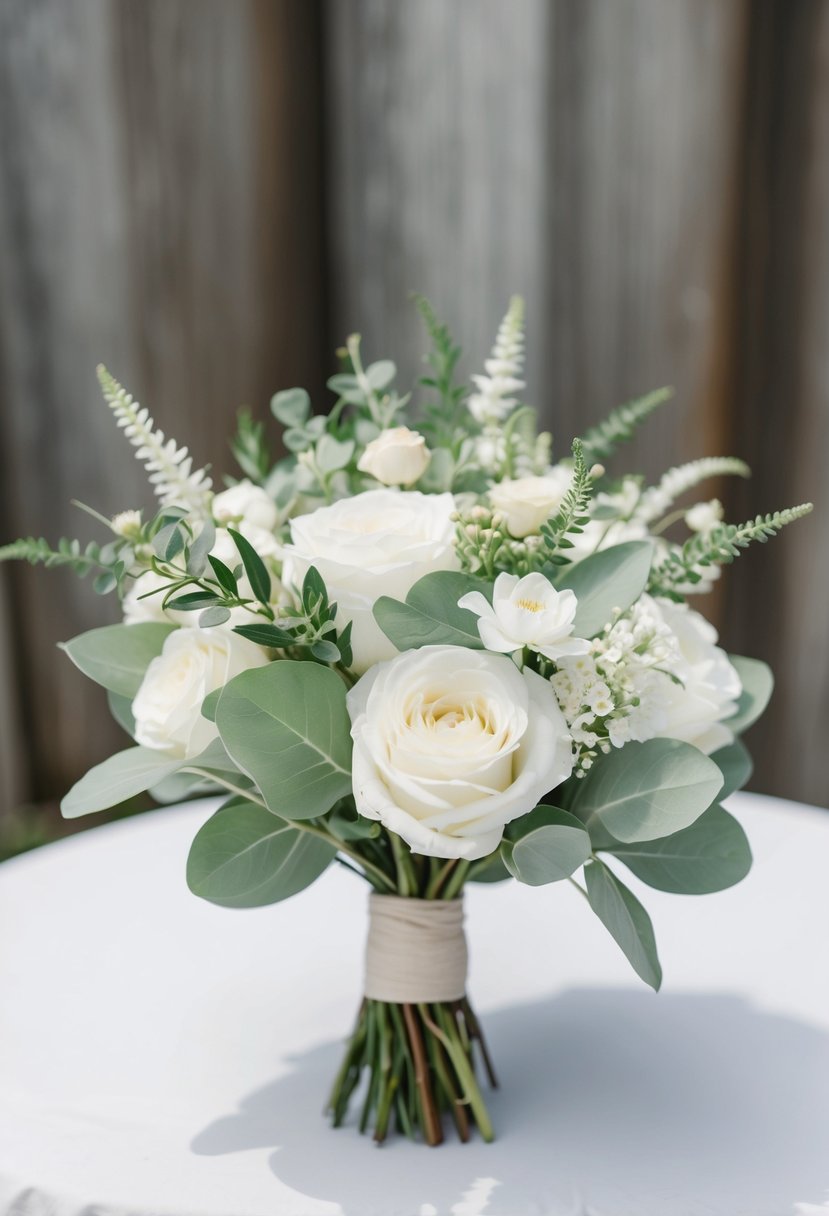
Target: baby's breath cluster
x=617, y=693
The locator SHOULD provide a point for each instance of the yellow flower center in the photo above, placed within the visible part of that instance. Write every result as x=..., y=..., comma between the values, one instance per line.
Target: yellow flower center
x=530, y=605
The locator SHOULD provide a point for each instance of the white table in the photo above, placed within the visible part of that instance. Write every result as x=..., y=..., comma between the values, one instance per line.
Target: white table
x=165, y=1057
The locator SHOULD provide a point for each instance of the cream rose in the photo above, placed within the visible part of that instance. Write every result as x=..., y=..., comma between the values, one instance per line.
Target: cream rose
x=526, y=502
x=451, y=744
x=245, y=502
x=193, y=662
x=696, y=711
x=139, y=610
x=377, y=543
x=397, y=457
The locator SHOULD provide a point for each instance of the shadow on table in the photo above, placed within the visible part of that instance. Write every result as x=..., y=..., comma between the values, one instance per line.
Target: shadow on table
x=612, y=1100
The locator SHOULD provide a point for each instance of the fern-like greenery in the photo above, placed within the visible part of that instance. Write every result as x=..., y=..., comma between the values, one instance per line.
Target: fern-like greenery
x=601, y=441
x=685, y=565
x=38, y=552
x=441, y=417
x=250, y=448
x=573, y=514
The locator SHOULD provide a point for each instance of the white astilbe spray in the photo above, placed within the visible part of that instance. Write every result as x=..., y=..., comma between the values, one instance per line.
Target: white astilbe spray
x=170, y=467
x=495, y=397
x=658, y=499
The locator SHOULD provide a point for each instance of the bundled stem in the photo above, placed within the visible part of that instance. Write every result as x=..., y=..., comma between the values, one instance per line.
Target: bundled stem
x=417, y=1063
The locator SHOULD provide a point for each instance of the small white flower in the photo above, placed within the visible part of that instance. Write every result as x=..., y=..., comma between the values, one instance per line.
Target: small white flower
x=529, y=612
x=704, y=516
x=127, y=524
x=246, y=503
x=600, y=699
x=397, y=457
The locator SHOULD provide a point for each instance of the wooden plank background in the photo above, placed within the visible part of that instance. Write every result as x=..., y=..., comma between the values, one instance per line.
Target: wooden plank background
x=209, y=196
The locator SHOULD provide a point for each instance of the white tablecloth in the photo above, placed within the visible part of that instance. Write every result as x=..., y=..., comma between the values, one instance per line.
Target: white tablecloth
x=165, y=1057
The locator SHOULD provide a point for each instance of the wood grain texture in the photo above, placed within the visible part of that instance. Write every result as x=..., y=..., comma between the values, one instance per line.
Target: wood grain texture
x=156, y=165
x=776, y=598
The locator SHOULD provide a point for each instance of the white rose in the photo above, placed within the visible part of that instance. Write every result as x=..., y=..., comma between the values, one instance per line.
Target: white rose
x=696, y=711
x=529, y=612
x=451, y=744
x=193, y=663
x=526, y=502
x=377, y=543
x=397, y=457
x=246, y=503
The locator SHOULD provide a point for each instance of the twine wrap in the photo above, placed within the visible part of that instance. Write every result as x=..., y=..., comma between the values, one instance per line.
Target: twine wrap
x=416, y=950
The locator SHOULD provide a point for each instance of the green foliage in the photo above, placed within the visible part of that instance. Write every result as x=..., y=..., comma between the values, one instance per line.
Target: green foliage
x=430, y=615
x=441, y=417
x=70, y=553
x=625, y=919
x=645, y=790
x=120, y=777
x=758, y=684
x=117, y=656
x=735, y=764
x=286, y=727
x=573, y=514
x=245, y=857
x=709, y=855
x=547, y=845
x=606, y=583
x=686, y=564
x=601, y=441
x=250, y=448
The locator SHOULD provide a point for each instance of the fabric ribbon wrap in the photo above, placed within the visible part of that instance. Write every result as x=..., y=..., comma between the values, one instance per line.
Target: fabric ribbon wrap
x=416, y=950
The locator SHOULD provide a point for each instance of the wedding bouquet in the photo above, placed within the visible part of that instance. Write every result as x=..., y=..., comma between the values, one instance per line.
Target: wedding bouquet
x=433, y=656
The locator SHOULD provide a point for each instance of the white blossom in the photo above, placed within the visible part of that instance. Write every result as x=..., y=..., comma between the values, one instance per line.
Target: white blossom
x=527, y=612
x=495, y=397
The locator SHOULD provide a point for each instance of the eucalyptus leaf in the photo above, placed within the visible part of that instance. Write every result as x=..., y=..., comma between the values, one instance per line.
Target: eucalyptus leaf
x=266, y=635
x=736, y=766
x=287, y=727
x=121, y=709
x=547, y=845
x=217, y=615
x=708, y=856
x=430, y=615
x=611, y=579
x=758, y=685
x=120, y=777
x=380, y=374
x=291, y=406
x=333, y=454
x=200, y=548
x=169, y=542
x=646, y=790
x=245, y=857
x=625, y=919
x=117, y=656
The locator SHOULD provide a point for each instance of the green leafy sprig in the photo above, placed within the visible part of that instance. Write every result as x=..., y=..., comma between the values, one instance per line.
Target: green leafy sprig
x=441, y=417
x=686, y=564
x=250, y=447
x=600, y=441
x=573, y=514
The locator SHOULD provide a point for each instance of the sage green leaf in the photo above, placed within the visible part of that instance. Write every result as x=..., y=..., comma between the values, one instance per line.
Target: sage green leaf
x=736, y=766
x=430, y=615
x=121, y=710
x=333, y=454
x=489, y=869
x=646, y=790
x=547, y=845
x=120, y=777
x=291, y=406
x=758, y=685
x=287, y=727
x=626, y=921
x=117, y=656
x=708, y=856
x=613, y=578
x=245, y=857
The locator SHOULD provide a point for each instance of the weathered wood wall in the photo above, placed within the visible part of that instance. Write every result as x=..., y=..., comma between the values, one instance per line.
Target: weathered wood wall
x=209, y=196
